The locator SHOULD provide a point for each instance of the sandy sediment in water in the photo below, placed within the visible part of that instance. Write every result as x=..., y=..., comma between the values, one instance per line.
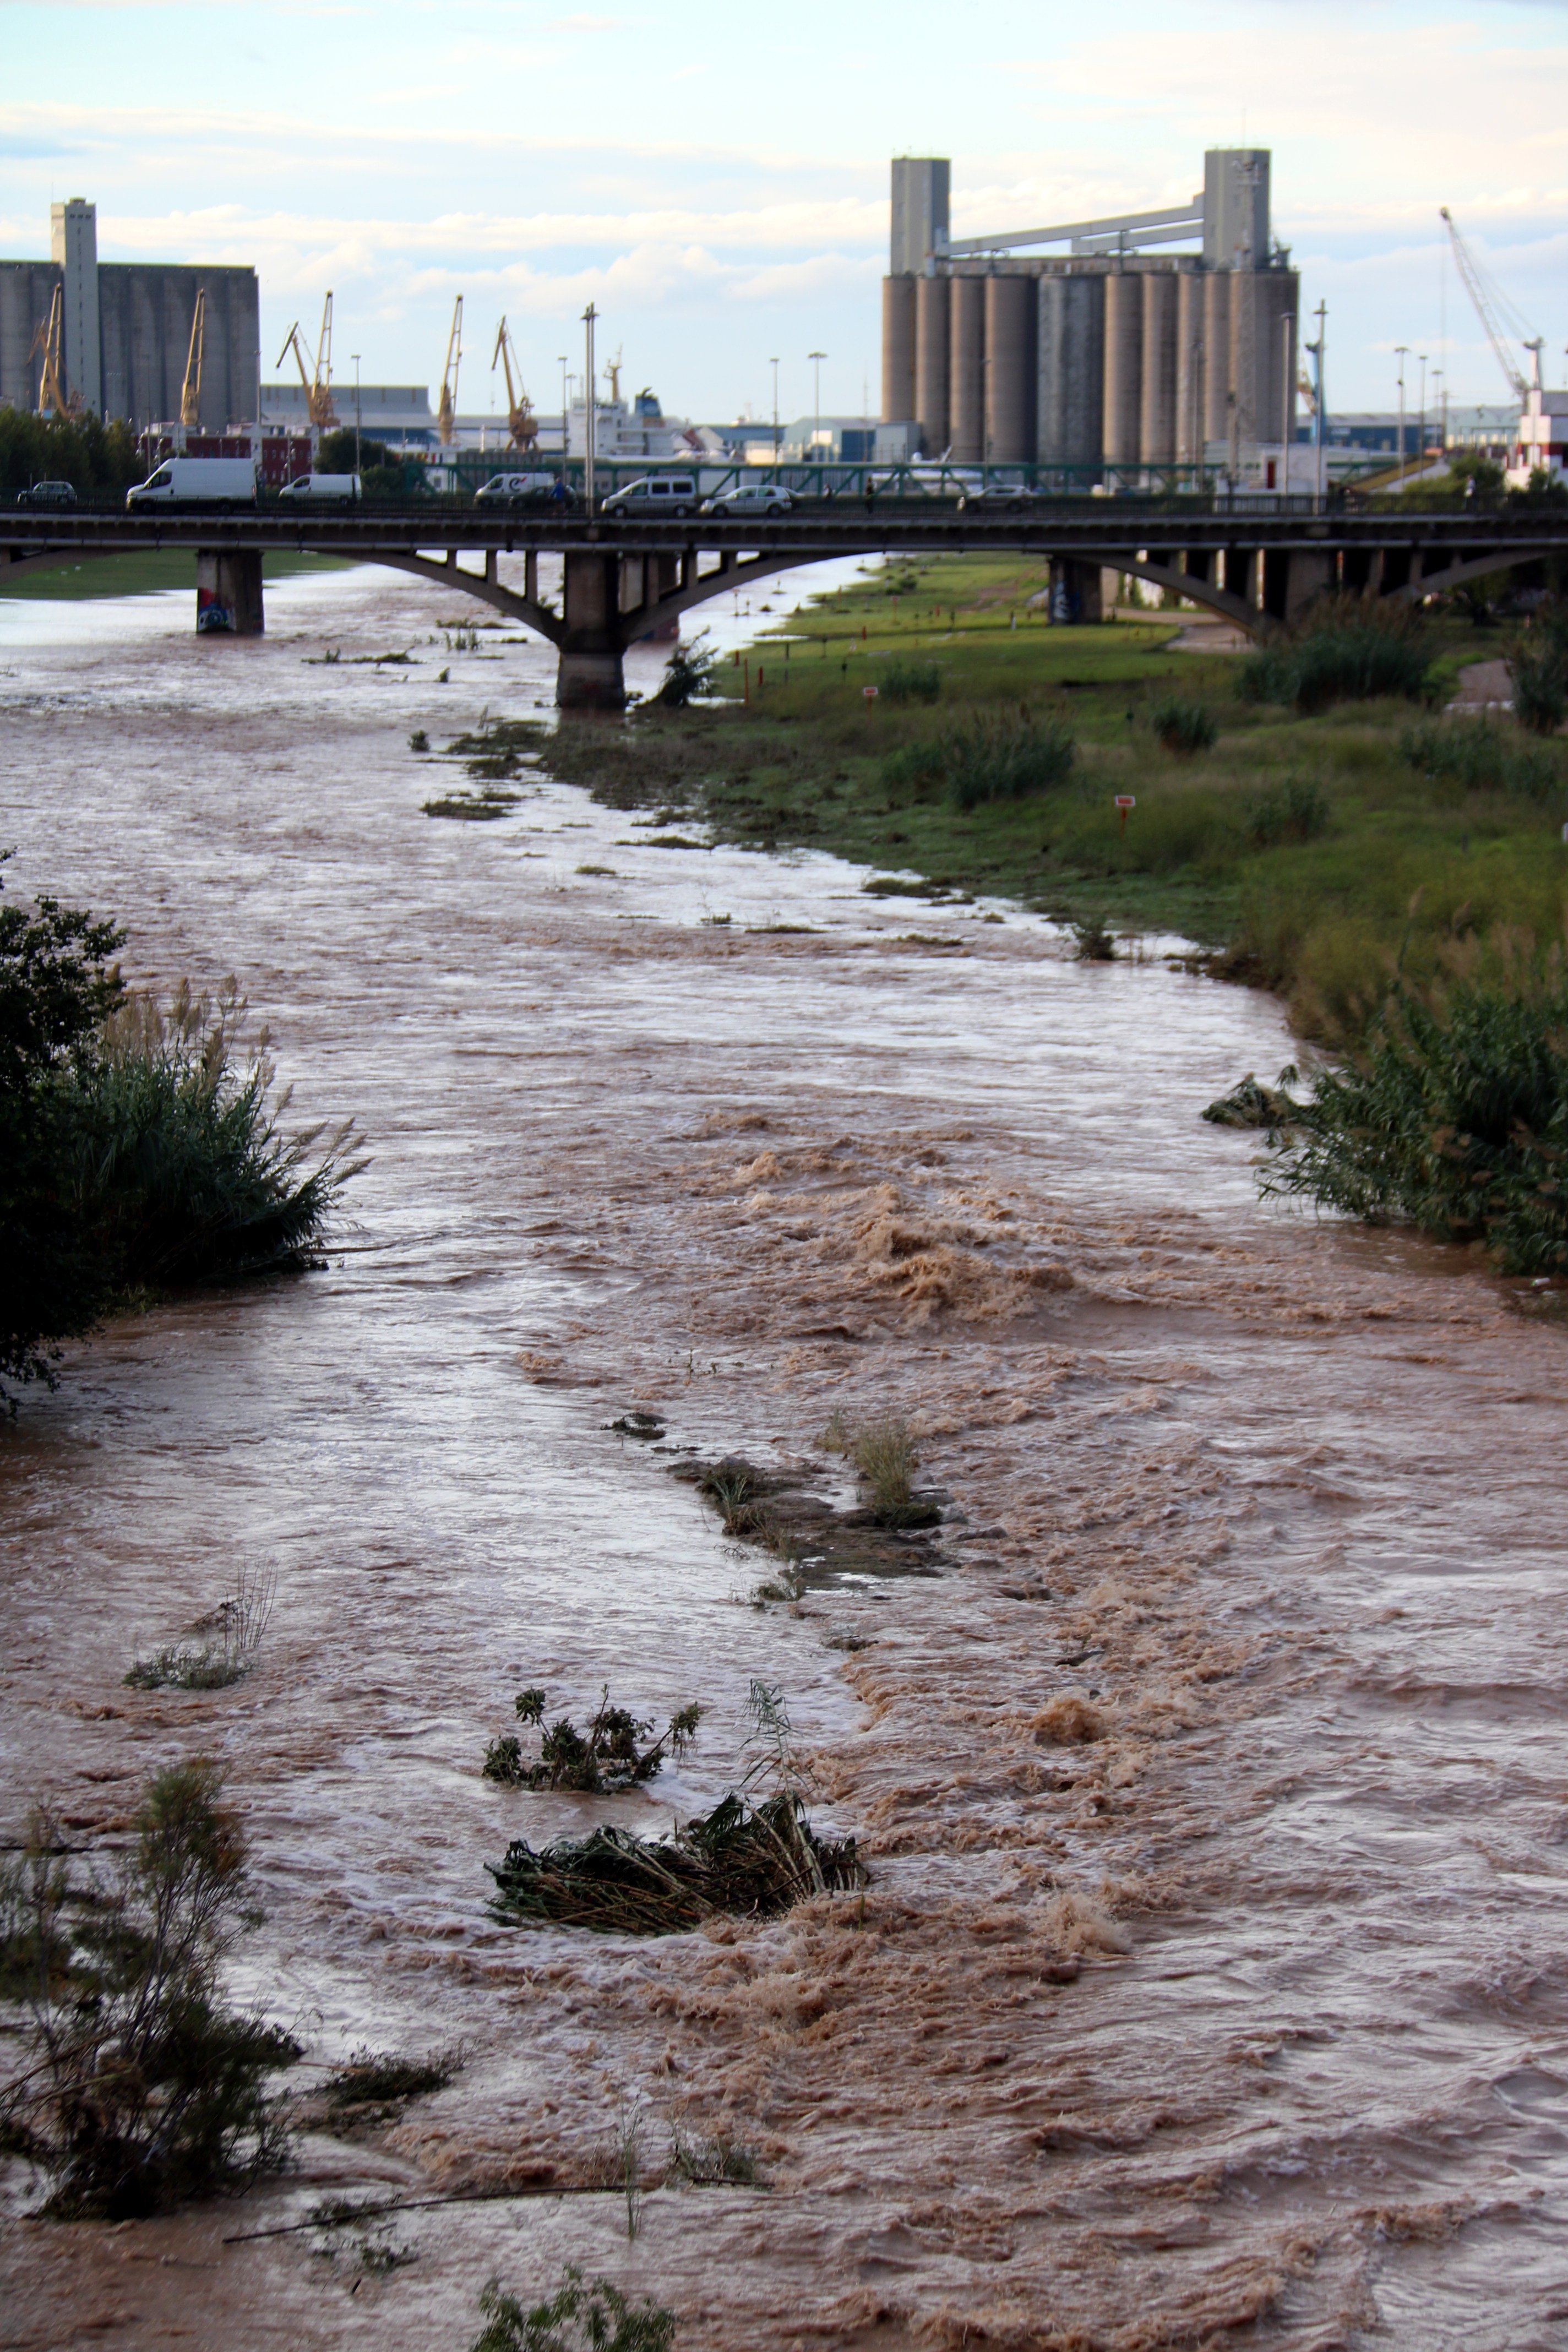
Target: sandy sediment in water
x=1208, y=1987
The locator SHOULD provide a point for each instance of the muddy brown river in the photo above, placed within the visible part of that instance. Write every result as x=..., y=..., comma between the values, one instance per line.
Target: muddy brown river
x=715, y=1137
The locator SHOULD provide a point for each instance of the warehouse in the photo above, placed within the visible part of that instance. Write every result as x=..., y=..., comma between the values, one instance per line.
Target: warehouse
x=1103, y=357
x=126, y=329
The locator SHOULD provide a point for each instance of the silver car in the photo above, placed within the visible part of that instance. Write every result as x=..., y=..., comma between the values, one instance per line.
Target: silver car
x=749, y=498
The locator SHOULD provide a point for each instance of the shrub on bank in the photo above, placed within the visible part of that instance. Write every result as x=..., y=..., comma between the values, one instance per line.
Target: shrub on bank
x=1454, y=1118
x=907, y=681
x=141, y=2086
x=1346, y=651
x=1477, y=757
x=140, y=1148
x=1538, y=666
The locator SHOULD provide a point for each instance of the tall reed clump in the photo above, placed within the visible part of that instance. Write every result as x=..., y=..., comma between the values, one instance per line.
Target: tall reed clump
x=1005, y=760
x=1345, y=651
x=907, y=681
x=1538, y=666
x=1184, y=728
x=141, y=1147
x=138, y=2086
x=886, y=1454
x=1453, y=1118
x=1474, y=756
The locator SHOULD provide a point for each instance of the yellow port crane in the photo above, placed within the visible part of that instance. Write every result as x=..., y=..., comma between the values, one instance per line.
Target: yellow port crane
x=191, y=389
x=521, y=422
x=48, y=339
x=317, y=378
x=447, y=413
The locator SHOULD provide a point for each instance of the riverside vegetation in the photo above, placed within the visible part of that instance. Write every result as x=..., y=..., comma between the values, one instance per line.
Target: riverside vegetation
x=1309, y=813
x=141, y=1148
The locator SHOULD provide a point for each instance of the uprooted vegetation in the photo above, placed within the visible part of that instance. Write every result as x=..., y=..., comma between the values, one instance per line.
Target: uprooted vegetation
x=138, y=2086
x=751, y=1860
x=494, y=754
x=816, y=1545
x=376, y=2084
x=753, y=1856
x=229, y=1648
x=612, y=1754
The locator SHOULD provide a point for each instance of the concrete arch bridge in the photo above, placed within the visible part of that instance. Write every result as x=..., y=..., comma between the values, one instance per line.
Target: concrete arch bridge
x=1256, y=561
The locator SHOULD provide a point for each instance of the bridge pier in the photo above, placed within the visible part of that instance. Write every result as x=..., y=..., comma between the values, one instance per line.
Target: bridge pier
x=1075, y=591
x=228, y=593
x=589, y=675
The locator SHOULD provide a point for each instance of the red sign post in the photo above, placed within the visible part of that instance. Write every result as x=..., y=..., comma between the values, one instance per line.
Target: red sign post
x=1125, y=801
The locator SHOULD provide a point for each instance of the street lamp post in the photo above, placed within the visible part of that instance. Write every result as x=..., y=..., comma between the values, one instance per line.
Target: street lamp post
x=355, y=357
x=1401, y=352
x=774, y=365
x=816, y=359
x=1422, y=357
x=1320, y=350
x=565, y=435
x=589, y=315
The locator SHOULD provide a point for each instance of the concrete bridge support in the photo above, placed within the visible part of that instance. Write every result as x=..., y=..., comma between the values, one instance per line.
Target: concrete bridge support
x=1076, y=590
x=592, y=637
x=228, y=593
x=1294, y=578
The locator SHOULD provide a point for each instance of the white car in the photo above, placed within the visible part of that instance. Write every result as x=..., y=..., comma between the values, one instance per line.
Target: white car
x=670, y=494
x=750, y=498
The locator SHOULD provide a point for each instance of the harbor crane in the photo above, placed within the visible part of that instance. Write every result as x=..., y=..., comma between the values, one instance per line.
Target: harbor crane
x=317, y=378
x=48, y=338
x=191, y=389
x=1495, y=311
x=447, y=413
x=521, y=422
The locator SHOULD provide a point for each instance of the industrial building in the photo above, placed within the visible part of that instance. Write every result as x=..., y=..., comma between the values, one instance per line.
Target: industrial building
x=125, y=329
x=1104, y=356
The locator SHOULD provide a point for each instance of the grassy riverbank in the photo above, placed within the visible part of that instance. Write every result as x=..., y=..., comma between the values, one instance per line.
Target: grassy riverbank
x=147, y=573
x=1310, y=855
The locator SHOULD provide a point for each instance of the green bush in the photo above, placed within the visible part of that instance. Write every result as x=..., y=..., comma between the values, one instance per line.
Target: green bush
x=1184, y=728
x=1453, y=1119
x=1002, y=760
x=137, y=1150
x=142, y=2088
x=687, y=673
x=589, y=2315
x=1296, y=810
x=1345, y=652
x=1482, y=757
x=905, y=681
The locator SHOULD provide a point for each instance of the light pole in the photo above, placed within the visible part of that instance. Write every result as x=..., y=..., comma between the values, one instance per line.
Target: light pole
x=1320, y=350
x=816, y=359
x=1439, y=376
x=589, y=315
x=1422, y=357
x=355, y=357
x=1401, y=352
x=774, y=365
x=564, y=438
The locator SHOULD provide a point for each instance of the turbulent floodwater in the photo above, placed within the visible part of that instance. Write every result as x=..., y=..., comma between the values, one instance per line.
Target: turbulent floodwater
x=1277, y=1502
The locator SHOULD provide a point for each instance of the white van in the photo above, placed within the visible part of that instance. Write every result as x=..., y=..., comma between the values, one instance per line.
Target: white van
x=335, y=490
x=672, y=494
x=198, y=481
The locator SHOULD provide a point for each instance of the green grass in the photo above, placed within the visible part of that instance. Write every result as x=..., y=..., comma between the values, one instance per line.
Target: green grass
x=1308, y=854
x=145, y=574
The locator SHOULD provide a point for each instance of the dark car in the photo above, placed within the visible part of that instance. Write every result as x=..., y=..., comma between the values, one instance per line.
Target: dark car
x=1000, y=497
x=48, y=494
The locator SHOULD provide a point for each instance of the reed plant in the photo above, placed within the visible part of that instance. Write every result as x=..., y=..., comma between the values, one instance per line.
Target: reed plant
x=1184, y=728
x=1477, y=756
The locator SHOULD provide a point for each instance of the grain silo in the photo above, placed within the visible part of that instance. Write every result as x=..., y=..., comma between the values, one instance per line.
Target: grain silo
x=1108, y=355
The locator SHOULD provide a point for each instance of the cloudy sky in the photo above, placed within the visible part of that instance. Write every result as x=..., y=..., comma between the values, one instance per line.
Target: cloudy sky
x=715, y=179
